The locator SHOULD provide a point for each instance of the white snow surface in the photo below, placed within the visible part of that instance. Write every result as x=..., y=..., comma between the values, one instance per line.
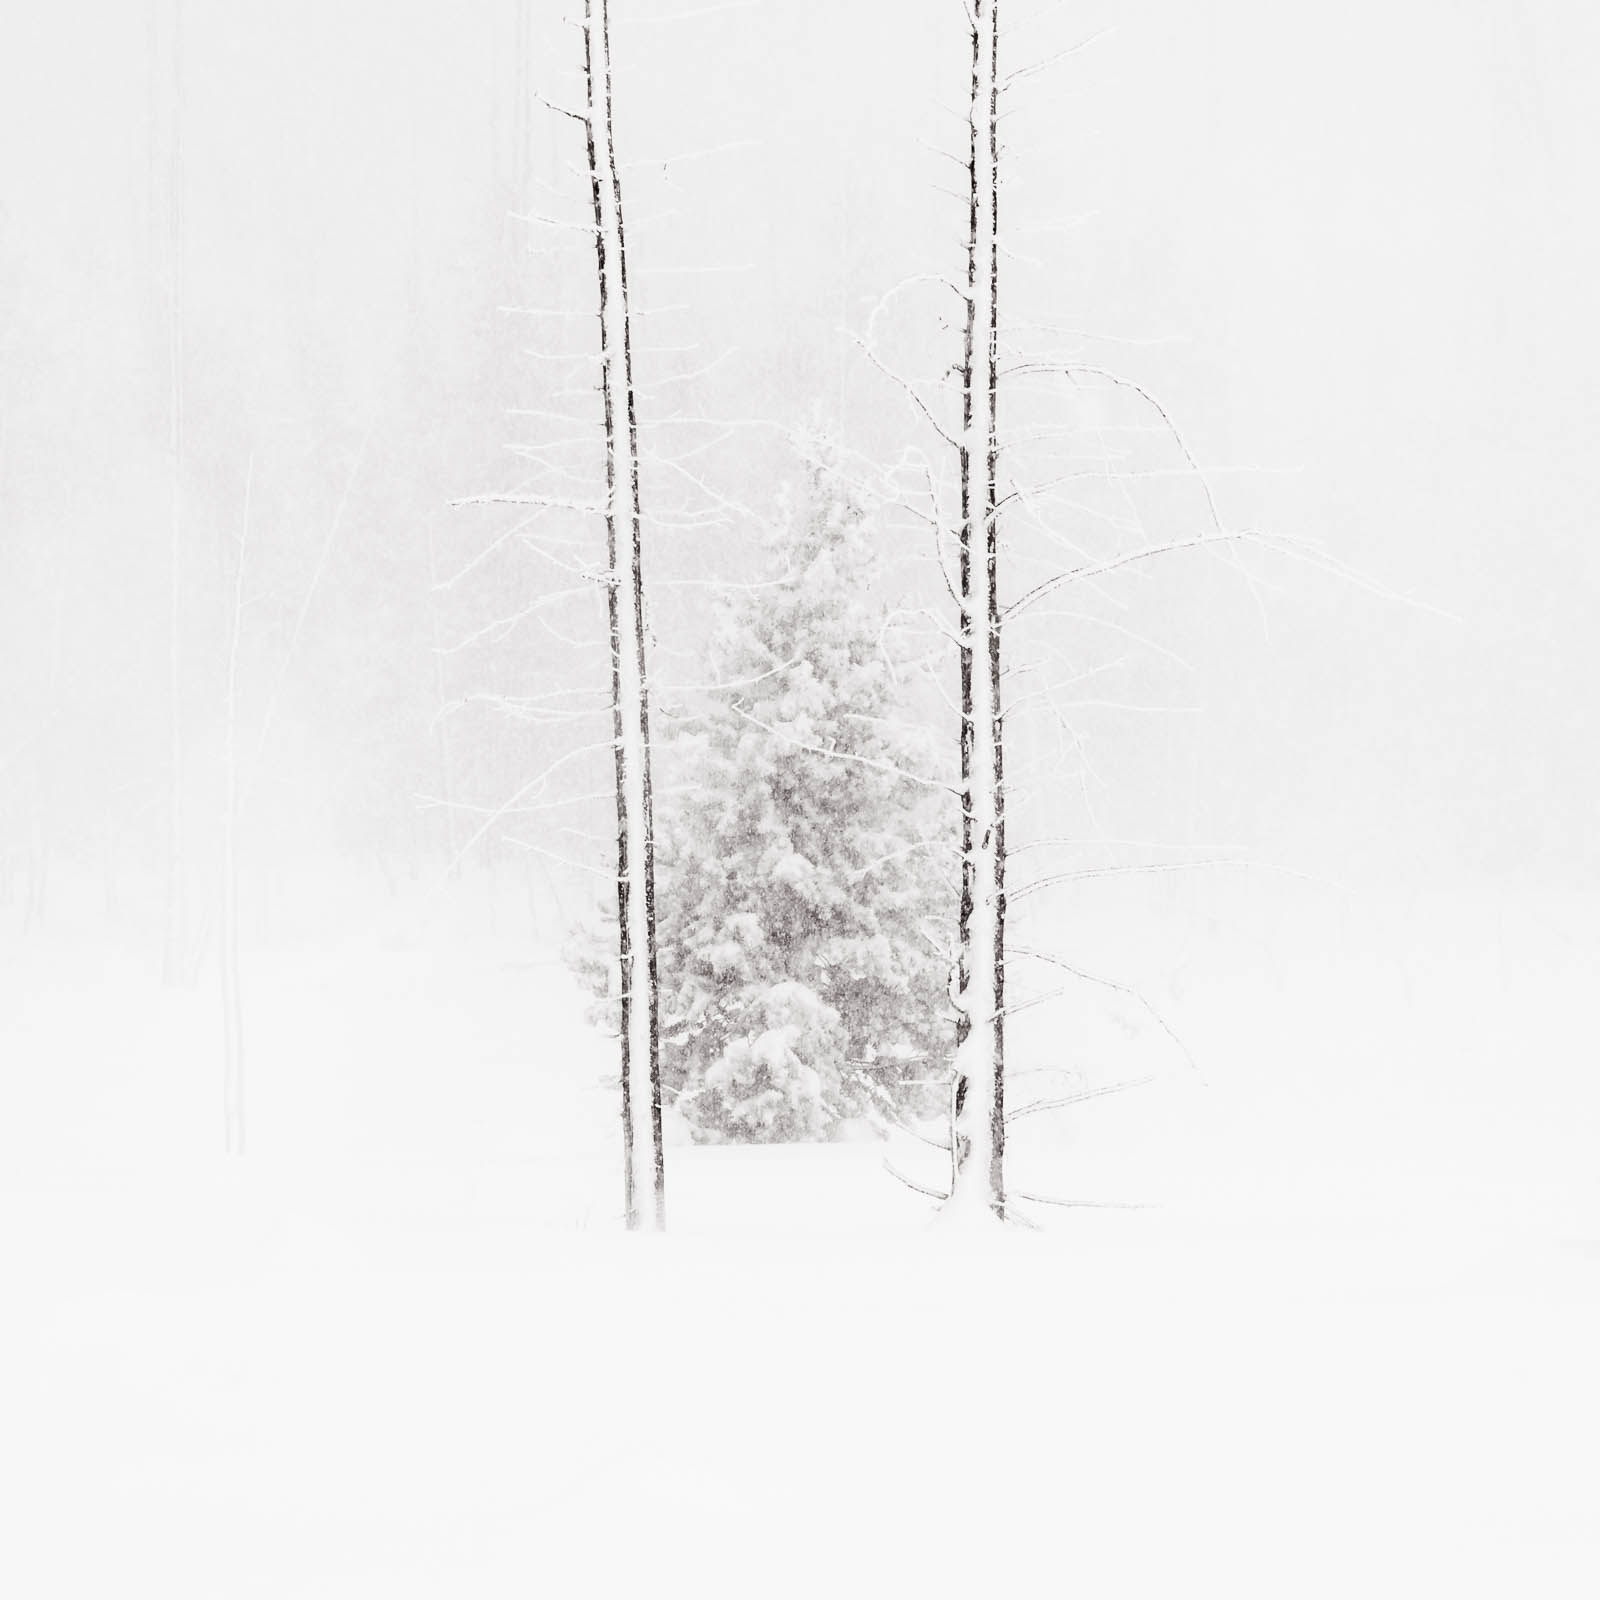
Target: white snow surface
x=394, y=1351
x=383, y=1380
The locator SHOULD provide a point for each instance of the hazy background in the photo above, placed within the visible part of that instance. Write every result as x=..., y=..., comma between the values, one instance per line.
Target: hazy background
x=1352, y=248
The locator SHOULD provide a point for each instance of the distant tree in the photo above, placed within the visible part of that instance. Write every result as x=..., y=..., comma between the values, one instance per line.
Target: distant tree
x=174, y=951
x=798, y=858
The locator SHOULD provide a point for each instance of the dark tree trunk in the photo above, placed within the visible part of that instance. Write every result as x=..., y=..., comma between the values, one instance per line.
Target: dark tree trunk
x=978, y=1135
x=644, y=1170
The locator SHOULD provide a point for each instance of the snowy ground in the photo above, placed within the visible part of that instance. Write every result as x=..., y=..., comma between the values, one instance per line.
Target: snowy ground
x=402, y=1350
x=397, y=1382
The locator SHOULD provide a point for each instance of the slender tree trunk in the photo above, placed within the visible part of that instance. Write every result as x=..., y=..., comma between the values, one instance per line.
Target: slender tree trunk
x=228, y=940
x=643, y=1163
x=997, y=856
x=979, y=1179
x=521, y=108
x=176, y=918
x=969, y=347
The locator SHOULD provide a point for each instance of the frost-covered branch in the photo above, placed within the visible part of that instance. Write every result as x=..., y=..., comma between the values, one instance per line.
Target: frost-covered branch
x=1117, y=988
x=844, y=755
x=1127, y=558
x=1059, y=1102
x=906, y=387
x=1033, y=69
x=911, y=1183
x=1081, y=874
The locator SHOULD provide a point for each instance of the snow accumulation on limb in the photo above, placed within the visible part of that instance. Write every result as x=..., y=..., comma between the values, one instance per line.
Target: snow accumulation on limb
x=978, y=1183
x=643, y=1167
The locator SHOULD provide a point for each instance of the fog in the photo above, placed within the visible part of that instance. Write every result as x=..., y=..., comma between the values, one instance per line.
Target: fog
x=1349, y=251
x=279, y=281
x=308, y=813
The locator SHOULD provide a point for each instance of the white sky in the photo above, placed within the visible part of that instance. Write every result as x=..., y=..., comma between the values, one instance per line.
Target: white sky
x=1371, y=225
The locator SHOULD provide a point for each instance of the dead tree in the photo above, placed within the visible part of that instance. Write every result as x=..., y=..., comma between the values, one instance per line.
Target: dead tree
x=982, y=455
x=644, y=1170
x=559, y=499
x=550, y=494
x=978, y=1179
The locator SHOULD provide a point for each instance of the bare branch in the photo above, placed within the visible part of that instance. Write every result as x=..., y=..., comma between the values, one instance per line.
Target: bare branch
x=1119, y=988
x=514, y=804
x=543, y=502
x=609, y=874
x=561, y=111
x=1115, y=563
x=857, y=873
x=906, y=387
x=737, y=683
x=1036, y=1106
x=1072, y=369
x=911, y=1183
x=846, y=755
x=690, y=155
x=535, y=219
x=1057, y=843
x=502, y=627
x=1134, y=869
x=1022, y=74
x=1079, y=1205
x=699, y=11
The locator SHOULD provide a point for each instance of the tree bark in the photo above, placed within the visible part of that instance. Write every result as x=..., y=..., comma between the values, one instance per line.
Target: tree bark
x=644, y=1174
x=997, y=859
x=979, y=1179
x=964, y=576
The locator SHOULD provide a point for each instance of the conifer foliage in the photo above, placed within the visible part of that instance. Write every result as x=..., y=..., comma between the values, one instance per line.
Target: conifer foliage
x=805, y=854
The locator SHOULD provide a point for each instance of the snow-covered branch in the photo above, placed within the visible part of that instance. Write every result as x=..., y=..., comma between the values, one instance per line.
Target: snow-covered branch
x=845, y=755
x=1059, y=1102
x=1128, y=990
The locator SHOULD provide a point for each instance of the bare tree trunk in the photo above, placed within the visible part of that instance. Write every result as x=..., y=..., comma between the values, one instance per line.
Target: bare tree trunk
x=521, y=107
x=643, y=1160
x=176, y=918
x=997, y=855
x=979, y=1178
x=964, y=578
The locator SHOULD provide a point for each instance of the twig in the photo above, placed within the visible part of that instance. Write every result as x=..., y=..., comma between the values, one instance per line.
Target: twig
x=1079, y=1205
x=911, y=1183
x=1120, y=988
x=1035, y=1106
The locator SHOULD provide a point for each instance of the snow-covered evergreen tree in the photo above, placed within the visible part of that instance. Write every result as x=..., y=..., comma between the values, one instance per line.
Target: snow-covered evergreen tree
x=805, y=857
